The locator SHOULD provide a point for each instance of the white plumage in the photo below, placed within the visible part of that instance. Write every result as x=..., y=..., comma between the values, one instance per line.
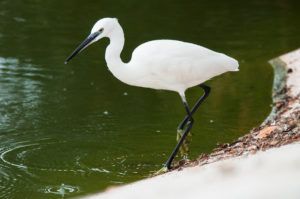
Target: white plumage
x=176, y=65
x=161, y=64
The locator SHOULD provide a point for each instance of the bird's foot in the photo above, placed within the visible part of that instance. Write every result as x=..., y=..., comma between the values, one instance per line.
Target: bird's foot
x=161, y=171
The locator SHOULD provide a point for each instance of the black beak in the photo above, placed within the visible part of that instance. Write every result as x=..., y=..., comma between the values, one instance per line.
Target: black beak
x=84, y=44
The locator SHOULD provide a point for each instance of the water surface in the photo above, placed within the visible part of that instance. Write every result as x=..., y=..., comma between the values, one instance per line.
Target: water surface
x=68, y=130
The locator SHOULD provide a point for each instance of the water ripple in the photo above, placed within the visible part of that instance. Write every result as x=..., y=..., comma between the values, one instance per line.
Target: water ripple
x=21, y=155
x=60, y=189
x=25, y=163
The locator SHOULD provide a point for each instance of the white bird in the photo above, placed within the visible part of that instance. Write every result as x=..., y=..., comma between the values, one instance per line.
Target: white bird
x=161, y=64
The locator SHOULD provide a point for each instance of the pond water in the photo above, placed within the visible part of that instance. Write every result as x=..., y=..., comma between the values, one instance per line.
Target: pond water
x=69, y=130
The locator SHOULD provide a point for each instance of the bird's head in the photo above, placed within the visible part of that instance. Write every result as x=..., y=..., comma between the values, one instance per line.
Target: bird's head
x=102, y=28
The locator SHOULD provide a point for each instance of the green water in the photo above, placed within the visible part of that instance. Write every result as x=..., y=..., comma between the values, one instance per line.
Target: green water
x=69, y=130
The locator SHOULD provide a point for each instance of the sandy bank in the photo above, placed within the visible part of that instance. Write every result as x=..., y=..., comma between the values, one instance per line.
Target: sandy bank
x=266, y=175
x=256, y=165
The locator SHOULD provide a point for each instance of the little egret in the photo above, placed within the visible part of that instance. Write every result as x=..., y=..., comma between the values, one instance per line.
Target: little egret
x=161, y=64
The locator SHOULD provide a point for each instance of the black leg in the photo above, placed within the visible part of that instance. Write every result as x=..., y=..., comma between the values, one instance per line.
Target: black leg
x=187, y=130
x=204, y=96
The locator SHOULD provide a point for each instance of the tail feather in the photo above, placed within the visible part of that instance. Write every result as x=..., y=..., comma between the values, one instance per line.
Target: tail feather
x=235, y=65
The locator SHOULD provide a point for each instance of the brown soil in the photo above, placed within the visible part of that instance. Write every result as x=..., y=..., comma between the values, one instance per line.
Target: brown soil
x=275, y=133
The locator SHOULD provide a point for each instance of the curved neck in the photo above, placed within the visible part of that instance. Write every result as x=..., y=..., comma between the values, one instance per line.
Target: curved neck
x=123, y=71
x=114, y=49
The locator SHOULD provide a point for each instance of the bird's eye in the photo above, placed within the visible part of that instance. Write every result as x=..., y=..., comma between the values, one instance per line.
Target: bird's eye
x=101, y=29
